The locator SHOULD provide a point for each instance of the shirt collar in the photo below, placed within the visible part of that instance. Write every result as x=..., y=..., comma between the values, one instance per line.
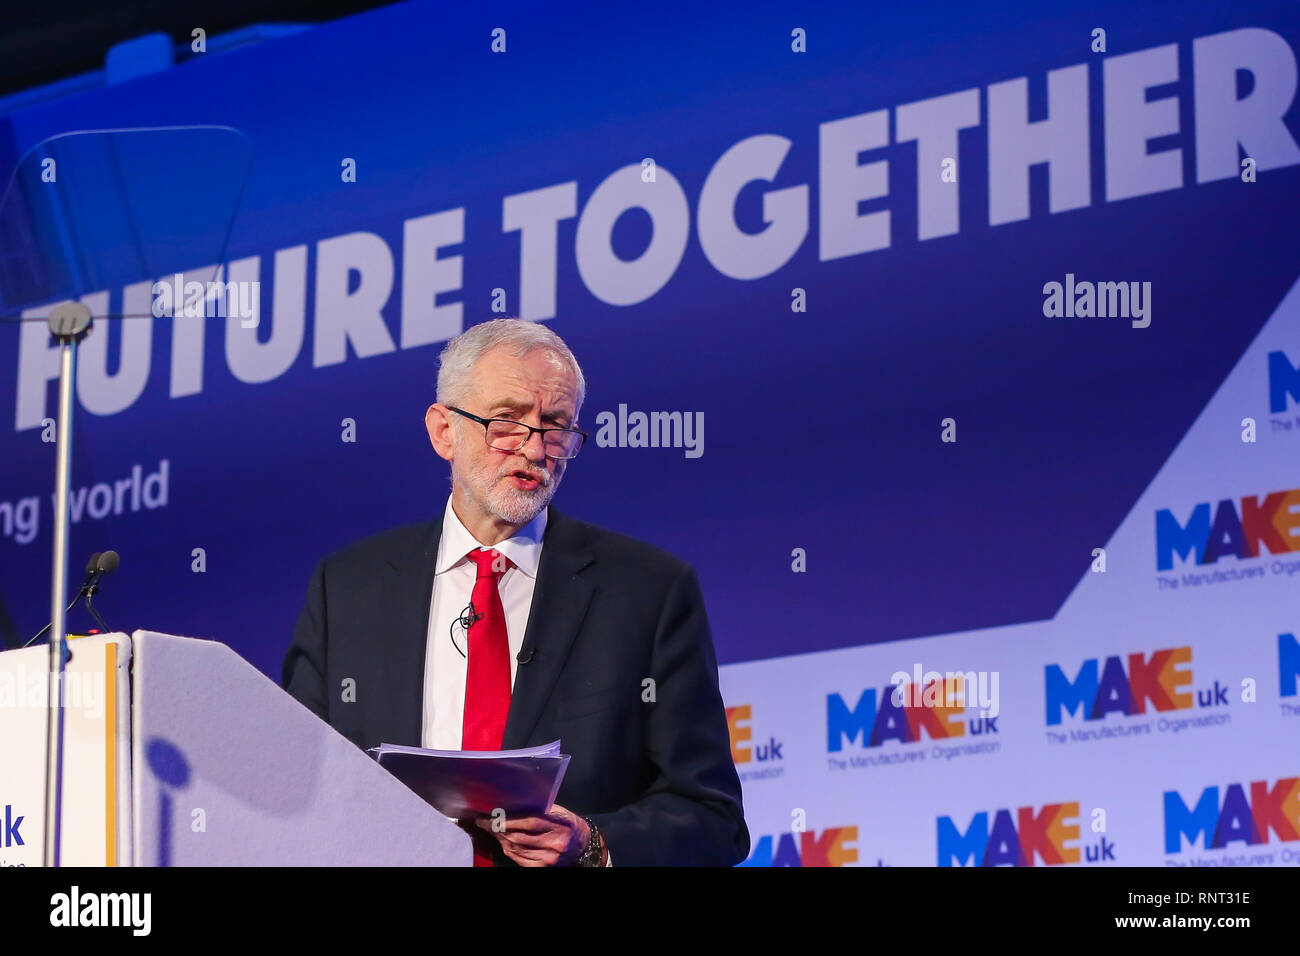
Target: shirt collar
x=524, y=548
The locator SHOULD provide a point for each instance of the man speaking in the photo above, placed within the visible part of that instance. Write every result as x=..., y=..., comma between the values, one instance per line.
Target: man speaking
x=507, y=624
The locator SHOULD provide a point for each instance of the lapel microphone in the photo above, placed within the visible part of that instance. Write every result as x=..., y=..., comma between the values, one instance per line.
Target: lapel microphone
x=468, y=616
x=463, y=621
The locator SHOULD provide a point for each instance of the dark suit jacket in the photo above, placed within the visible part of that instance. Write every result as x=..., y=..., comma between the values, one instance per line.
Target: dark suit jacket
x=608, y=611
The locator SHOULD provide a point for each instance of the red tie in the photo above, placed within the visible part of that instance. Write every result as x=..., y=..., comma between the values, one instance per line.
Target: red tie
x=487, y=677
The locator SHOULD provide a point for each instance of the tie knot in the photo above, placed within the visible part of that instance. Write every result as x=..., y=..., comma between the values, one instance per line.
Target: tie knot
x=490, y=563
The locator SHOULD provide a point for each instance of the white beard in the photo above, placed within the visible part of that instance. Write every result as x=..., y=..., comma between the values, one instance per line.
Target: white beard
x=514, y=505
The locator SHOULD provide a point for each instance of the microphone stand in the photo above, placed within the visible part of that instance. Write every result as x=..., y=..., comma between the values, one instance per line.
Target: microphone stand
x=69, y=323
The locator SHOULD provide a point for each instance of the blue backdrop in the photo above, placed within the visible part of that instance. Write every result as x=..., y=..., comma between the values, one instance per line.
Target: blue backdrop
x=823, y=426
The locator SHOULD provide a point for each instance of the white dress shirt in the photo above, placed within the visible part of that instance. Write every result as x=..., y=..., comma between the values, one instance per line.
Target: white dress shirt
x=453, y=585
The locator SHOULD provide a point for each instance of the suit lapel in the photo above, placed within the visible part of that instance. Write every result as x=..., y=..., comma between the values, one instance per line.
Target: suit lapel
x=560, y=600
x=409, y=595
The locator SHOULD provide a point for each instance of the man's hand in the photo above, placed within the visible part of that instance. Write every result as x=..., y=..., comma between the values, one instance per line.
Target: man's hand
x=556, y=838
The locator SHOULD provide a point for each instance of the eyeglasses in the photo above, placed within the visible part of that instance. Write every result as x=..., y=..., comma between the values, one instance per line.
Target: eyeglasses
x=502, y=434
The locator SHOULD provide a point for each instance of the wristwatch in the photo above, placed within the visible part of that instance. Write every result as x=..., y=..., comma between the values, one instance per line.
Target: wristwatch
x=592, y=854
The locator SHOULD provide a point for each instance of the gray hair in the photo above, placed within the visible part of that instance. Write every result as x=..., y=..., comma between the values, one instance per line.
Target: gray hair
x=521, y=337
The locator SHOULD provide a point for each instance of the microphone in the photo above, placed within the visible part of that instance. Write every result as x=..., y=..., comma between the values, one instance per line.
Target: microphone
x=468, y=616
x=105, y=564
x=100, y=563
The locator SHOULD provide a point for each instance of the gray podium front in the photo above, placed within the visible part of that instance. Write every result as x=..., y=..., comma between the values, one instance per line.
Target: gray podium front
x=180, y=753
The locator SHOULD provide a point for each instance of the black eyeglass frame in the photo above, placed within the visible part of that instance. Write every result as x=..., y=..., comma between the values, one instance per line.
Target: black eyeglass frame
x=485, y=422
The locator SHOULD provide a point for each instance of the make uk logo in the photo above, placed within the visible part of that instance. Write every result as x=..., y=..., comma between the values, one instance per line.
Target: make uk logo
x=1208, y=532
x=1288, y=673
x=903, y=715
x=1122, y=686
x=1238, y=817
x=1024, y=836
x=834, y=846
x=11, y=832
x=1283, y=387
x=755, y=759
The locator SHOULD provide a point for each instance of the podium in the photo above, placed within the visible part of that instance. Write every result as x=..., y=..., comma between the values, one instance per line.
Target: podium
x=177, y=752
